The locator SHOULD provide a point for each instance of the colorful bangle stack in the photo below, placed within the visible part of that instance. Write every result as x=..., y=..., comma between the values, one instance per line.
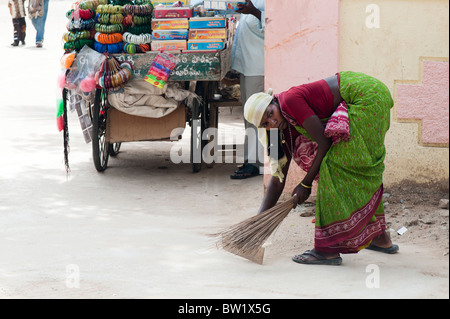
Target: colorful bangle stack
x=131, y=48
x=77, y=35
x=81, y=25
x=114, y=74
x=80, y=29
x=91, y=4
x=137, y=21
x=112, y=28
x=109, y=29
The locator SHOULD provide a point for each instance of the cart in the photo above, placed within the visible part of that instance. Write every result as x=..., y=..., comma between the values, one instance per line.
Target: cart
x=200, y=72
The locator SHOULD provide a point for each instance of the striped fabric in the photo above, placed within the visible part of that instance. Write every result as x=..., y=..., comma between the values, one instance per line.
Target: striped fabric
x=338, y=128
x=17, y=8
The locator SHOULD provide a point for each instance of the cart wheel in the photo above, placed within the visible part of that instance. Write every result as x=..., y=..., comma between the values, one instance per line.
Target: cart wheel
x=114, y=149
x=100, y=147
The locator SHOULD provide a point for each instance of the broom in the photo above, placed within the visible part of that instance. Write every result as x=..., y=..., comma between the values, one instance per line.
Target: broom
x=246, y=238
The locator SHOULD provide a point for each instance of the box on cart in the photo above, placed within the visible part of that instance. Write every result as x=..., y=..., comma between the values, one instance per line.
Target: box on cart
x=207, y=34
x=170, y=2
x=170, y=24
x=205, y=45
x=159, y=35
x=207, y=22
x=223, y=6
x=169, y=45
x=171, y=12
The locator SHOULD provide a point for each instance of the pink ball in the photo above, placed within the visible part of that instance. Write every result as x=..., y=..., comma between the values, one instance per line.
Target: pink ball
x=88, y=84
x=61, y=81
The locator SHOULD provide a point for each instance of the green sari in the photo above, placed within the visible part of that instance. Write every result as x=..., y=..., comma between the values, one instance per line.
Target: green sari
x=349, y=209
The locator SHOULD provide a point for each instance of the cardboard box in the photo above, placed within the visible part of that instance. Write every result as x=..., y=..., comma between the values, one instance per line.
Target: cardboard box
x=159, y=35
x=207, y=23
x=226, y=6
x=170, y=24
x=170, y=2
x=171, y=12
x=205, y=45
x=169, y=45
x=124, y=127
x=207, y=34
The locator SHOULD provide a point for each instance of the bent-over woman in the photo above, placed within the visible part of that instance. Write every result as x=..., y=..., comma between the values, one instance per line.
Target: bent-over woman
x=334, y=129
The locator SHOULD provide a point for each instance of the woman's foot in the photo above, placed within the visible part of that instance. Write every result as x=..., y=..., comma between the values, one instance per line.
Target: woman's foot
x=313, y=257
x=15, y=43
x=383, y=244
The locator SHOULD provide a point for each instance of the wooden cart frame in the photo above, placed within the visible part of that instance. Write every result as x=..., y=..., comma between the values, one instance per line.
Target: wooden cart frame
x=200, y=72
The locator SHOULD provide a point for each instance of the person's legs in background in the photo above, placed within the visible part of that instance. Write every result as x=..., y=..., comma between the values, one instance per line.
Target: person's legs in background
x=16, y=25
x=39, y=25
x=253, y=150
x=22, y=30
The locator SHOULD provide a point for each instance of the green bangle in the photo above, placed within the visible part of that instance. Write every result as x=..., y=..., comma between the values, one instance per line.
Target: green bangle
x=305, y=186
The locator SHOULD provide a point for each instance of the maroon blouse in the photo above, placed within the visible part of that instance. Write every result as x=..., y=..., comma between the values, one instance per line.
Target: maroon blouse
x=301, y=102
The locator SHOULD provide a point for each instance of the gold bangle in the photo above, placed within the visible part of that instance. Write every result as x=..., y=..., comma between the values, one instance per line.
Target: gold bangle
x=308, y=187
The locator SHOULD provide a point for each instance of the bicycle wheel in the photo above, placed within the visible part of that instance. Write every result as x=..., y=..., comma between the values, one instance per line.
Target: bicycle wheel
x=100, y=147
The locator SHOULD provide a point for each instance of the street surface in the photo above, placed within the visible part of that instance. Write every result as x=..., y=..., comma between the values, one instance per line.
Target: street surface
x=140, y=229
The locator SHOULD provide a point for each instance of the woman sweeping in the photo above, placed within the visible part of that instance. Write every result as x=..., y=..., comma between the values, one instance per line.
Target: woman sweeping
x=334, y=129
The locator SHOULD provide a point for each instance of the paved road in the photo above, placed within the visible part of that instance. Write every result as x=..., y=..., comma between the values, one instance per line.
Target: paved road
x=139, y=230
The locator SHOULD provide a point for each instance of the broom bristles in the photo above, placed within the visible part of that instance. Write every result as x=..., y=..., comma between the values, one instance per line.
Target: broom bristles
x=247, y=237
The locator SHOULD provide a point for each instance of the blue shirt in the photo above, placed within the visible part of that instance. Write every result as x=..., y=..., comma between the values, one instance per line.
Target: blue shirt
x=248, y=47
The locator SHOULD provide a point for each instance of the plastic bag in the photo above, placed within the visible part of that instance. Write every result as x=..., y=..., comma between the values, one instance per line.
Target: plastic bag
x=161, y=68
x=83, y=69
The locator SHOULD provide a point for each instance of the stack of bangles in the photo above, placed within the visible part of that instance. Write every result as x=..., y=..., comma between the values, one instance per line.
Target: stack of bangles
x=131, y=48
x=137, y=10
x=90, y=4
x=77, y=35
x=81, y=24
x=108, y=38
x=132, y=20
x=113, y=75
x=77, y=45
x=106, y=18
x=137, y=39
x=136, y=43
x=109, y=28
x=109, y=8
x=80, y=14
x=139, y=29
x=110, y=48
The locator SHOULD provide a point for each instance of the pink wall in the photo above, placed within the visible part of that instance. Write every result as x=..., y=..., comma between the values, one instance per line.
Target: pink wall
x=302, y=41
x=428, y=102
x=302, y=46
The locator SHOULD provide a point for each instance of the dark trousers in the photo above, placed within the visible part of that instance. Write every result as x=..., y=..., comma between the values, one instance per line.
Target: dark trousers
x=20, y=28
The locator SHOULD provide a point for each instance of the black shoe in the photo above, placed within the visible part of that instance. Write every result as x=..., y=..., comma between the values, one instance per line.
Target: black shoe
x=15, y=43
x=246, y=171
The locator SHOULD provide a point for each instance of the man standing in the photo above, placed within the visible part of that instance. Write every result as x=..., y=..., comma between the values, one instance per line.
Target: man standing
x=248, y=59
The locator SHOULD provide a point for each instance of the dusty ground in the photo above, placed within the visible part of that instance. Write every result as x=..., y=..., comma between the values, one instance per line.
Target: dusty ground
x=140, y=229
x=415, y=207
